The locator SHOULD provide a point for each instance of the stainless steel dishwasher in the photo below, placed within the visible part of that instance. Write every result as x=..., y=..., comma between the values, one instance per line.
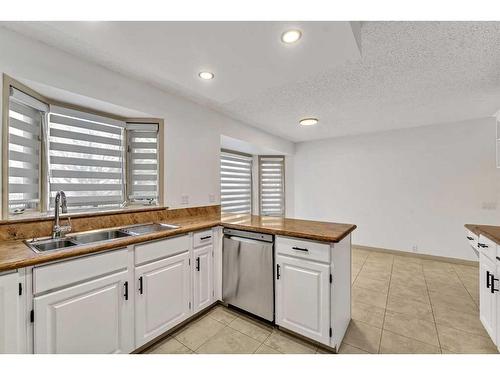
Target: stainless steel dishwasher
x=247, y=272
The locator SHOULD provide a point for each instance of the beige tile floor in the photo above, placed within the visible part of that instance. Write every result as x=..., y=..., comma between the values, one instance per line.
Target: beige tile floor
x=400, y=304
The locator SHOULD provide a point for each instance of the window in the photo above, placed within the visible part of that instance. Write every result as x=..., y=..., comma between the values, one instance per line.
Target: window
x=272, y=185
x=26, y=116
x=86, y=159
x=236, y=182
x=99, y=161
x=143, y=172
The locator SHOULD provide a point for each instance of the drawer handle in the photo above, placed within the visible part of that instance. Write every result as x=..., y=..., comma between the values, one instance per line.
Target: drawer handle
x=470, y=238
x=300, y=248
x=278, y=272
x=481, y=244
x=205, y=238
x=126, y=290
x=198, y=264
x=140, y=285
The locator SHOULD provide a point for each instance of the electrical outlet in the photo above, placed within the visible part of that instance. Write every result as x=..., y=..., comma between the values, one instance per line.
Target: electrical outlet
x=184, y=199
x=211, y=198
x=489, y=205
x=414, y=248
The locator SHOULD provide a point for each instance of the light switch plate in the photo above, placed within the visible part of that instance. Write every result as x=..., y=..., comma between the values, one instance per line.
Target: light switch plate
x=184, y=199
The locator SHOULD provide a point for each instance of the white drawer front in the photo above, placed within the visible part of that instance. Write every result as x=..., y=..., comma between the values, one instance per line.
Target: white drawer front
x=472, y=238
x=318, y=251
x=160, y=249
x=60, y=274
x=487, y=247
x=203, y=238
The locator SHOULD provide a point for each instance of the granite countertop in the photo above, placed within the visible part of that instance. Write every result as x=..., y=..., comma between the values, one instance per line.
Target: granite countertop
x=16, y=254
x=491, y=232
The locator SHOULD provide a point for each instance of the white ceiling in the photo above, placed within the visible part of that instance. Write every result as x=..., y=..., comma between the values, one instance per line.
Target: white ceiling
x=407, y=74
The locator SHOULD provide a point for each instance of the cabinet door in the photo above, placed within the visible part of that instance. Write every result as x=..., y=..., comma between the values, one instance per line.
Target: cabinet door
x=303, y=297
x=91, y=317
x=13, y=320
x=487, y=304
x=163, y=296
x=202, y=278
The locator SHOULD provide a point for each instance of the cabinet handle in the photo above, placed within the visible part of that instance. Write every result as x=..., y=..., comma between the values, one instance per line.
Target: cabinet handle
x=300, y=248
x=126, y=290
x=479, y=244
x=278, y=272
x=198, y=264
x=488, y=275
x=140, y=285
x=470, y=238
x=205, y=238
x=498, y=258
x=493, y=289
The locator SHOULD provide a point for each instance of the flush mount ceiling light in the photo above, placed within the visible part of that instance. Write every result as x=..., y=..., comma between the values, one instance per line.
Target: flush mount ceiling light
x=206, y=75
x=291, y=36
x=308, y=121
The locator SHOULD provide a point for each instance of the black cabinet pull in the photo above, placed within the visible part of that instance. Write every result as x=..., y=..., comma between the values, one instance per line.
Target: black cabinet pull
x=479, y=244
x=498, y=258
x=198, y=264
x=126, y=290
x=140, y=285
x=470, y=238
x=278, y=272
x=488, y=275
x=493, y=279
x=205, y=238
x=300, y=248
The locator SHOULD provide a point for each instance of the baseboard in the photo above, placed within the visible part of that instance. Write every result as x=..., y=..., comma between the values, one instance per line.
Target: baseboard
x=417, y=255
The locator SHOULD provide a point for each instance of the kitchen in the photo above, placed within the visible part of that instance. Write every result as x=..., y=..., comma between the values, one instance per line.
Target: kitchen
x=218, y=202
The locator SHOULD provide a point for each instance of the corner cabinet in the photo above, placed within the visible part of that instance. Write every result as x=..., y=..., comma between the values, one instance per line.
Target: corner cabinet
x=13, y=315
x=313, y=283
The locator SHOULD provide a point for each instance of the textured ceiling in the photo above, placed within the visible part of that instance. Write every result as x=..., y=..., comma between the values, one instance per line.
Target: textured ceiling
x=409, y=73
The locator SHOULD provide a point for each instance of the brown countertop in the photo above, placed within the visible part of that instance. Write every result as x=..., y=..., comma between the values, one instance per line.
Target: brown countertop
x=16, y=254
x=491, y=232
x=308, y=229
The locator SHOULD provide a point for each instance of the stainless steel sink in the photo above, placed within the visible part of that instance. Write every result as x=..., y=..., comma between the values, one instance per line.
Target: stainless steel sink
x=87, y=238
x=149, y=228
x=50, y=244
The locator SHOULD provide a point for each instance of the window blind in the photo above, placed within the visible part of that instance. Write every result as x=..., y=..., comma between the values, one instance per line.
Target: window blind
x=142, y=140
x=271, y=185
x=86, y=159
x=236, y=183
x=26, y=115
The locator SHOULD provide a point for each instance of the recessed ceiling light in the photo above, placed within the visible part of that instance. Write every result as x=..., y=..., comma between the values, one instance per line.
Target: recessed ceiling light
x=206, y=75
x=308, y=121
x=291, y=36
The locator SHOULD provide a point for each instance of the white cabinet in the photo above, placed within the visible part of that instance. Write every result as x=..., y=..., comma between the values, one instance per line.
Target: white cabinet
x=203, y=278
x=91, y=317
x=163, y=296
x=487, y=299
x=303, y=297
x=13, y=317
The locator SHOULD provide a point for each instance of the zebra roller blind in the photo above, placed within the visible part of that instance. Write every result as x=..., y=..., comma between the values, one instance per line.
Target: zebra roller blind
x=272, y=185
x=26, y=116
x=86, y=159
x=143, y=162
x=236, y=182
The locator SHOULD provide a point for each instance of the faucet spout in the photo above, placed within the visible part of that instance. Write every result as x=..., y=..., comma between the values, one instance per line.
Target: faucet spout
x=60, y=202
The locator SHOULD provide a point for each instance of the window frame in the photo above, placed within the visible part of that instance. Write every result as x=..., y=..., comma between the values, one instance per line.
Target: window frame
x=283, y=184
x=44, y=205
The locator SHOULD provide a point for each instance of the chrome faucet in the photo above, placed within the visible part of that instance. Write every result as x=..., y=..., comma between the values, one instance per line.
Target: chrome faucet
x=58, y=231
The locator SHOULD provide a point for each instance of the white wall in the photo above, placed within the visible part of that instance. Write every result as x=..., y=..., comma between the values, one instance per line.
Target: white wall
x=192, y=135
x=403, y=188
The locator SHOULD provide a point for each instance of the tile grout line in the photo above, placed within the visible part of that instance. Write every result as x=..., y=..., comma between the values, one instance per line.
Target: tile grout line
x=467, y=290
x=385, y=309
x=432, y=310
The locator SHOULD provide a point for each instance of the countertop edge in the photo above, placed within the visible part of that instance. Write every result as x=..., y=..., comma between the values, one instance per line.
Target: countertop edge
x=476, y=229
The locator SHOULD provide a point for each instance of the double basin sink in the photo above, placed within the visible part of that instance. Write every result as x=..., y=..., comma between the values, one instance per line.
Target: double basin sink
x=86, y=238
